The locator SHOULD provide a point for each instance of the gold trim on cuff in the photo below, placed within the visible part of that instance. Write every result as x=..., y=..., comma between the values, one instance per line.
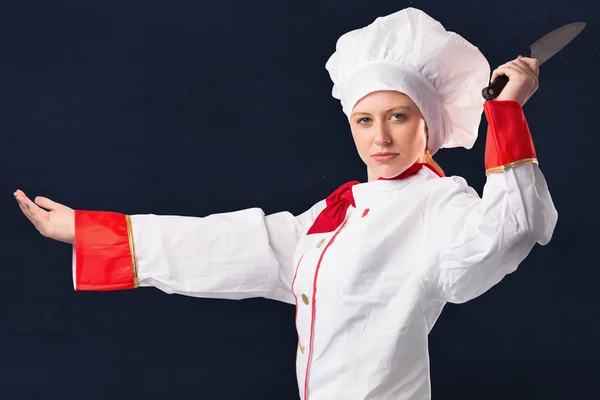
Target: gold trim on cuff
x=136, y=282
x=511, y=165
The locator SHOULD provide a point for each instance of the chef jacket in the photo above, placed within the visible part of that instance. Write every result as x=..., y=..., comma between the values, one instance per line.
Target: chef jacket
x=368, y=291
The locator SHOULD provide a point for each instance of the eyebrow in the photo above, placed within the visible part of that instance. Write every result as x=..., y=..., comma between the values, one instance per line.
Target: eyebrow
x=387, y=111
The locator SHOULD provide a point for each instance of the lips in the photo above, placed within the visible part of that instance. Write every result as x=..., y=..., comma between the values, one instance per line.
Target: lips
x=383, y=157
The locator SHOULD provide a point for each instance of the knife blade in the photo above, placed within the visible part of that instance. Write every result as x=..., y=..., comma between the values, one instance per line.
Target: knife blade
x=543, y=49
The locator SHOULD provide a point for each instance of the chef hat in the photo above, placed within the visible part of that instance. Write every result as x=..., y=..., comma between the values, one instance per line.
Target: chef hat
x=412, y=53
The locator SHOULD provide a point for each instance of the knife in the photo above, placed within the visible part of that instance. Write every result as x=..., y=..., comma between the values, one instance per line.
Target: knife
x=542, y=50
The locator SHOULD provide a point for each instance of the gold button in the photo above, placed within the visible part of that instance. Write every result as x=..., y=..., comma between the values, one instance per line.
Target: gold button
x=304, y=298
x=320, y=242
x=301, y=347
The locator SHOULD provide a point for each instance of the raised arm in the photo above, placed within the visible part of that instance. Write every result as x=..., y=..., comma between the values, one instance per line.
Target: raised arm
x=483, y=239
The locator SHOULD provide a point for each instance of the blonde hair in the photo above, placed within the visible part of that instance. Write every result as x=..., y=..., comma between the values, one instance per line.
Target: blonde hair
x=427, y=157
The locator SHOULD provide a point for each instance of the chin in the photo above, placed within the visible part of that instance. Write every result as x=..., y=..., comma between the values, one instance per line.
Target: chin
x=390, y=171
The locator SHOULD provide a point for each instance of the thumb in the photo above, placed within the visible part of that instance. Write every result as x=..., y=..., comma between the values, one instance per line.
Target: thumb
x=46, y=203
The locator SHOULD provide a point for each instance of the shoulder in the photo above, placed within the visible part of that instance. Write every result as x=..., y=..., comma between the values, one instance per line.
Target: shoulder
x=451, y=184
x=449, y=193
x=442, y=185
x=307, y=217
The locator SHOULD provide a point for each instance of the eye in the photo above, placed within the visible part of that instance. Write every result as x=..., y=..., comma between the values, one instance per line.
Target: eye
x=366, y=120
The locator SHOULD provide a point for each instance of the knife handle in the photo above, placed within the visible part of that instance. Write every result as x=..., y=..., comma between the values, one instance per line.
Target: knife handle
x=492, y=91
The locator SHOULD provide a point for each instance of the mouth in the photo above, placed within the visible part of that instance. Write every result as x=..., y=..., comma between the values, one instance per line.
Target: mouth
x=386, y=156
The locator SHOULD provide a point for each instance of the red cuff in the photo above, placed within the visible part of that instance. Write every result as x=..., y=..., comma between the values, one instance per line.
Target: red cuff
x=104, y=252
x=509, y=141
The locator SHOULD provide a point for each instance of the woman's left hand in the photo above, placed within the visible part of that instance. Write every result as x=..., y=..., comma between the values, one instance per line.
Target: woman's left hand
x=522, y=74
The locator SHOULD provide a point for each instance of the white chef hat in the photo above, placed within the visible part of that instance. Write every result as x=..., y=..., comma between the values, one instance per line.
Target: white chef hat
x=412, y=53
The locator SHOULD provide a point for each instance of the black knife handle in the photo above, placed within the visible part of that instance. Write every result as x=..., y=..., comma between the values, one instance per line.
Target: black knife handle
x=492, y=91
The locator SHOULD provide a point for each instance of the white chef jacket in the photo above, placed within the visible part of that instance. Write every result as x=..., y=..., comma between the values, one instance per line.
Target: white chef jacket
x=368, y=293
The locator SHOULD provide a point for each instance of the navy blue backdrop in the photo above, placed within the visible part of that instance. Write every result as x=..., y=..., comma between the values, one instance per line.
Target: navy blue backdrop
x=193, y=108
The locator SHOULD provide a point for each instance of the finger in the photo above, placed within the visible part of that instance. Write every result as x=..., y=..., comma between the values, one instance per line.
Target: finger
x=22, y=204
x=36, y=215
x=26, y=209
x=521, y=66
x=528, y=73
x=23, y=200
x=532, y=63
x=496, y=73
x=46, y=203
x=528, y=69
x=505, y=69
x=516, y=73
x=512, y=68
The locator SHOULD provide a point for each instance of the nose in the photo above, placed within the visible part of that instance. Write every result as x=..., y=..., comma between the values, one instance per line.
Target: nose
x=382, y=135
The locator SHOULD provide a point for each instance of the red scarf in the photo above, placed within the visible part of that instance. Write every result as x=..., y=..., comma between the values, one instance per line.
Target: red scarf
x=338, y=202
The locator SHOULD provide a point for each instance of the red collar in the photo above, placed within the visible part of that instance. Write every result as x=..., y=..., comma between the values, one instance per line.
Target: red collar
x=339, y=201
x=416, y=167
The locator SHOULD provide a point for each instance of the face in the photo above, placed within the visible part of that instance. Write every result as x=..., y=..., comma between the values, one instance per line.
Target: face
x=388, y=122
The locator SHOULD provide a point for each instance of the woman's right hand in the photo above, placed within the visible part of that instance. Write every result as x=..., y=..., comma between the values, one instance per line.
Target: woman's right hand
x=57, y=224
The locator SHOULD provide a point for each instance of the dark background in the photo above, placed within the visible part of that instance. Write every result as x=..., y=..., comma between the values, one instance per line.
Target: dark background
x=193, y=108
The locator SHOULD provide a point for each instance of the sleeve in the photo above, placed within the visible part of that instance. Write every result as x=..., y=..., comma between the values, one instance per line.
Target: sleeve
x=484, y=239
x=234, y=255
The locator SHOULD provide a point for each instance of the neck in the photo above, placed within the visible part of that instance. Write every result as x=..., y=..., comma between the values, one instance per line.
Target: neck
x=371, y=176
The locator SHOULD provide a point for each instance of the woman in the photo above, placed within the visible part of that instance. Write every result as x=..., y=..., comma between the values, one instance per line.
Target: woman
x=370, y=267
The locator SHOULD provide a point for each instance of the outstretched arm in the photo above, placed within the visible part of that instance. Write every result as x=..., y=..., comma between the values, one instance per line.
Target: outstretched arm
x=233, y=255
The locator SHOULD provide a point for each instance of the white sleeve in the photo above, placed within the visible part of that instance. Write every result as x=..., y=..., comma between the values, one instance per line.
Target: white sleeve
x=484, y=239
x=234, y=255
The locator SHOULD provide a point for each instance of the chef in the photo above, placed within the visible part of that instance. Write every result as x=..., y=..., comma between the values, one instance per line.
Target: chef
x=370, y=267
